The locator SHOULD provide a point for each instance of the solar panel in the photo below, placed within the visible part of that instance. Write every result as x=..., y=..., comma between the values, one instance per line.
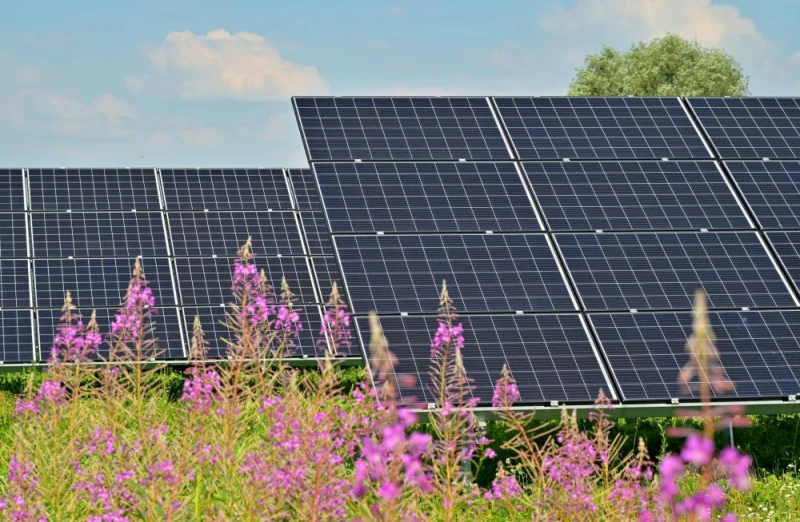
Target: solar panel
x=210, y=316
x=14, y=283
x=484, y=272
x=315, y=229
x=13, y=235
x=167, y=331
x=759, y=350
x=752, y=128
x=97, y=283
x=326, y=270
x=667, y=195
x=549, y=355
x=305, y=189
x=425, y=197
x=600, y=128
x=400, y=129
x=16, y=336
x=223, y=233
x=207, y=280
x=98, y=234
x=225, y=189
x=12, y=190
x=771, y=189
x=650, y=271
x=93, y=189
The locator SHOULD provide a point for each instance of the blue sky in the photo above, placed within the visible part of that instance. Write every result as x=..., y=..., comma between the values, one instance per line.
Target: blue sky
x=208, y=83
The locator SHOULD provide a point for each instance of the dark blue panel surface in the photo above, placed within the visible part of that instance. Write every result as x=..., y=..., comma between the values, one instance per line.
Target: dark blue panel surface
x=759, y=350
x=634, y=195
x=97, y=283
x=93, y=189
x=399, y=129
x=425, y=197
x=771, y=189
x=98, y=234
x=212, y=317
x=167, y=332
x=787, y=246
x=224, y=233
x=600, y=128
x=12, y=191
x=207, y=280
x=225, y=189
x=484, y=273
x=326, y=270
x=305, y=189
x=14, y=283
x=316, y=231
x=549, y=355
x=16, y=336
x=655, y=271
x=13, y=236
x=751, y=128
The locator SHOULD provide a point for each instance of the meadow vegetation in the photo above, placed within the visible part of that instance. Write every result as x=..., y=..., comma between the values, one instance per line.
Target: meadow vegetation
x=255, y=439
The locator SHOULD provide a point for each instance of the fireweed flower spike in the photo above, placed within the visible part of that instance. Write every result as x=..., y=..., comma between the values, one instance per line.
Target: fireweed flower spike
x=699, y=452
x=253, y=308
x=335, y=331
x=74, y=342
x=132, y=328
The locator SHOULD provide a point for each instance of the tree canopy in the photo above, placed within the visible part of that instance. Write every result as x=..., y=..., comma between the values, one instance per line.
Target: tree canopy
x=668, y=66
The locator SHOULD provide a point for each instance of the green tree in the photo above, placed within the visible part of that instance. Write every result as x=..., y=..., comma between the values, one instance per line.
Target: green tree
x=668, y=66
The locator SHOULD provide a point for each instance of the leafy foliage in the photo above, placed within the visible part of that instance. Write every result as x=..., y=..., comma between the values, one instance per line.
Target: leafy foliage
x=668, y=66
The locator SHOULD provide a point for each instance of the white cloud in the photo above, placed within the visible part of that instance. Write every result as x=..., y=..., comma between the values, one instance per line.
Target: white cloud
x=135, y=84
x=711, y=24
x=241, y=66
x=101, y=120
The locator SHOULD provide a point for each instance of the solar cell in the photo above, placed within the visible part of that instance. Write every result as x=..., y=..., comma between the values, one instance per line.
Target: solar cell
x=751, y=128
x=315, y=229
x=93, y=189
x=667, y=195
x=600, y=128
x=550, y=355
x=12, y=190
x=651, y=271
x=207, y=280
x=759, y=350
x=484, y=272
x=771, y=189
x=305, y=189
x=98, y=283
x=16, y=336
x=98, y=234
x=167, y=332
x=425, y=197
x=13, y=235
x=15, y=291
x=223, y=233
x=210, y=316
x=225, y=189
x=399, y=129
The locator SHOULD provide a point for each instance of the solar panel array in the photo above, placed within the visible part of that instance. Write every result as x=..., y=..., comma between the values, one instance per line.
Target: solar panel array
x=572, y=235
x=80, y=230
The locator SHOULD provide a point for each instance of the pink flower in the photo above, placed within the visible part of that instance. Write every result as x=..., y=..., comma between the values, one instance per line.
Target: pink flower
x=697, y=450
